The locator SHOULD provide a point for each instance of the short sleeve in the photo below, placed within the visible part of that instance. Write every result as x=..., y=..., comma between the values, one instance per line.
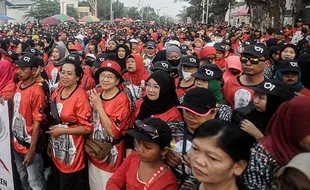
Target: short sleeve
x=37, y=104
x=83, y=111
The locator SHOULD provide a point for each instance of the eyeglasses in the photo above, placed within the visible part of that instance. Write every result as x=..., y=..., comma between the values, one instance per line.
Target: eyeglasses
x=154, y=86
x=109, y=77
x=68, y=74
x=146, y=129
x=252, y=60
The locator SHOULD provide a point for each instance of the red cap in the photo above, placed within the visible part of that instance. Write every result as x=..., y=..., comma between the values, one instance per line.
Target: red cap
x=77, y=47
x=112, y=65
x=208, y=50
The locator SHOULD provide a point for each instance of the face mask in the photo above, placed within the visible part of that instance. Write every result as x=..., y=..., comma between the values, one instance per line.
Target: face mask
x=186, y=75
x=174, y=62
x=304, y=30
x=89, y=63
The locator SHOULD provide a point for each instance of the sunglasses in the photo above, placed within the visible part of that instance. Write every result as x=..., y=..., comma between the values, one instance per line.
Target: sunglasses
x=146, y=129
x=252, y=60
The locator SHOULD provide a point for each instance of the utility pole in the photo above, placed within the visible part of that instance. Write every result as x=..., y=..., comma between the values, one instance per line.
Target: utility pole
x=203, y=11
x=111, y=11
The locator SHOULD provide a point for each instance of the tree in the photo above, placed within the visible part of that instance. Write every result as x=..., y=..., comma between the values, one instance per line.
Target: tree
x=119, y=9
x=46, y=8
x=132, y=12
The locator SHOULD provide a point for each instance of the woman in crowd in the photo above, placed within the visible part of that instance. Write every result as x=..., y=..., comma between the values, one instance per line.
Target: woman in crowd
x=160, y=100
x=289, y=52
x=146, y=168
x=219, y=155
x=136, y=75
x=7, y=85
x=122, y=53
x=208, y=53
x=220, y=55
x=233, y=67
x=289, y=72
x=112, y=116
x=53, y=67
x=93, y=47
x=287, y=135
x=173, y=56
x=73, y=114
x=111, y=47
x=274, y=54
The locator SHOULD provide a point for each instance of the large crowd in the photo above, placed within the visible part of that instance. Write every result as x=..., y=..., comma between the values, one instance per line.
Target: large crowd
x=138, y=106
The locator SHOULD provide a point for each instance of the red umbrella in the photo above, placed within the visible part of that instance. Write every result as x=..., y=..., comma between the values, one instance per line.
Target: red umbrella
x=118, y=20
x=50, y=21
x=129, y=20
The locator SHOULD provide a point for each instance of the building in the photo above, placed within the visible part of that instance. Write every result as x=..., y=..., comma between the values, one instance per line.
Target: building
x=17, y=9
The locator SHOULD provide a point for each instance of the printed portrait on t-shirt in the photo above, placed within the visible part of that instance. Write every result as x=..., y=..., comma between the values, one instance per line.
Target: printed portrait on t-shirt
x=242, y=98
x=19, y=123
x=3, y=131
x=54, y=75
x=63, y=146
x=99, y=133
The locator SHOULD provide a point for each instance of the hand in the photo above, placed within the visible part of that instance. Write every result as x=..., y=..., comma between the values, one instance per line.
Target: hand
x=49, y=149
x=186, y=161
x=55, y=131
x=2, y=99
x=28, y=158
x=94, y=98
x=251, y=129
x=173, y=159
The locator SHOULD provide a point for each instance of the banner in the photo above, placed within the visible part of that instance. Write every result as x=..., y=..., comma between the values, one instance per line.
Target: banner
x=6, y=173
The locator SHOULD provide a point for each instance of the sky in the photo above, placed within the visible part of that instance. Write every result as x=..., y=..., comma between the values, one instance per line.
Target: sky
x=167, y=7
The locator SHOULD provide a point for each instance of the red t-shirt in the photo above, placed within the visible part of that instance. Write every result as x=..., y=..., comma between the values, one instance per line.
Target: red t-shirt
x=172, y=114
x=118, y=111
x=87, y=71
x=52, y=74
x=236, y=94
x=127, y=176
x=28, y=107
x=68, y=150
x=87, y=83
x=305, y=91
x=181, y=90
x=8, y=90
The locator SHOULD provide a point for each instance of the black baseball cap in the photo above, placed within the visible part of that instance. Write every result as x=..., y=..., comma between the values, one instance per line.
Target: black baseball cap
x=72, y=58
x=79, y=53
x=256, y=50
x=11, y=54
x=226, y=42
x=279, y=32
x=100, y=58
x=162, y=65
x=199, y=101
x=30, y=50
x=288, y=66
x=150, y=45
x=190, y=61
x=275, y=88
x=184, y=48
x=220, y=47
x=152, y=130
x=208, y=72
x=28, y=60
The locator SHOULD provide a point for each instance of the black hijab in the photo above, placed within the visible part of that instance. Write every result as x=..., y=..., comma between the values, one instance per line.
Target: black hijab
x=112, y=51
x=166, y=100
x=122, y=62
x=304, y=63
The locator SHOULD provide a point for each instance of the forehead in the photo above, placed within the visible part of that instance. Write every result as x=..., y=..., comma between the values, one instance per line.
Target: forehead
x=107, y=73
x=152, y=81
x=68, y=67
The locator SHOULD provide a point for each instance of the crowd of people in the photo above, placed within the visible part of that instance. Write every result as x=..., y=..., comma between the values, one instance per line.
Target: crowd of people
x=209, y=107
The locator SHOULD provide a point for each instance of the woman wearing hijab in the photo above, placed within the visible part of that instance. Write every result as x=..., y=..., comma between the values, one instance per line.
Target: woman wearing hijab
x=160, y=100
x=53, y=67
x=111, y=47
x=233, y=68
x=122, y=53
x=7, y=85
x=173, y=56
x=289, y=52
x=136, y=75
x=274, y=54
x=287, y=134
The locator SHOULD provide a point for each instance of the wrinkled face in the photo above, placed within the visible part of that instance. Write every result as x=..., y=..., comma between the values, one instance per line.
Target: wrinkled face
x=201, y=83
x=131, y=65
x=219, y=55
x=108, y=80
x=24, y=73
x=290, y=78
x=68, y=76
x=260, y=101
x=121, y=53
x=288, y=54
x=55, y=54
x=210, y=164
x=152, y=90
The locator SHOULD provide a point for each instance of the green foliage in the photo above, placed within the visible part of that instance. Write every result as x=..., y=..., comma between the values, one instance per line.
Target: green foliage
x=46, y=8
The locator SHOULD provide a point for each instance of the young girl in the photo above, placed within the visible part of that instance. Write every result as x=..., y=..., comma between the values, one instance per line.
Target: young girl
x=146, y=169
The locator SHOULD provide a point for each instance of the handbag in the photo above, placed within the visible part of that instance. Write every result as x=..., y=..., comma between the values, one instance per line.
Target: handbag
x=96, y=149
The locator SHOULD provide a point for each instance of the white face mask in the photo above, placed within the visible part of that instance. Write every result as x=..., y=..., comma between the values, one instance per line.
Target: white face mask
x=186, y=75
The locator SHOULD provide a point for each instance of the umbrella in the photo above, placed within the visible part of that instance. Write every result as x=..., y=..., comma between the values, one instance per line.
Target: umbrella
x=118, y=20
x=50, y=21
x=4, y=17
x=129, y=20
x=64, y=18
x=89, y=19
